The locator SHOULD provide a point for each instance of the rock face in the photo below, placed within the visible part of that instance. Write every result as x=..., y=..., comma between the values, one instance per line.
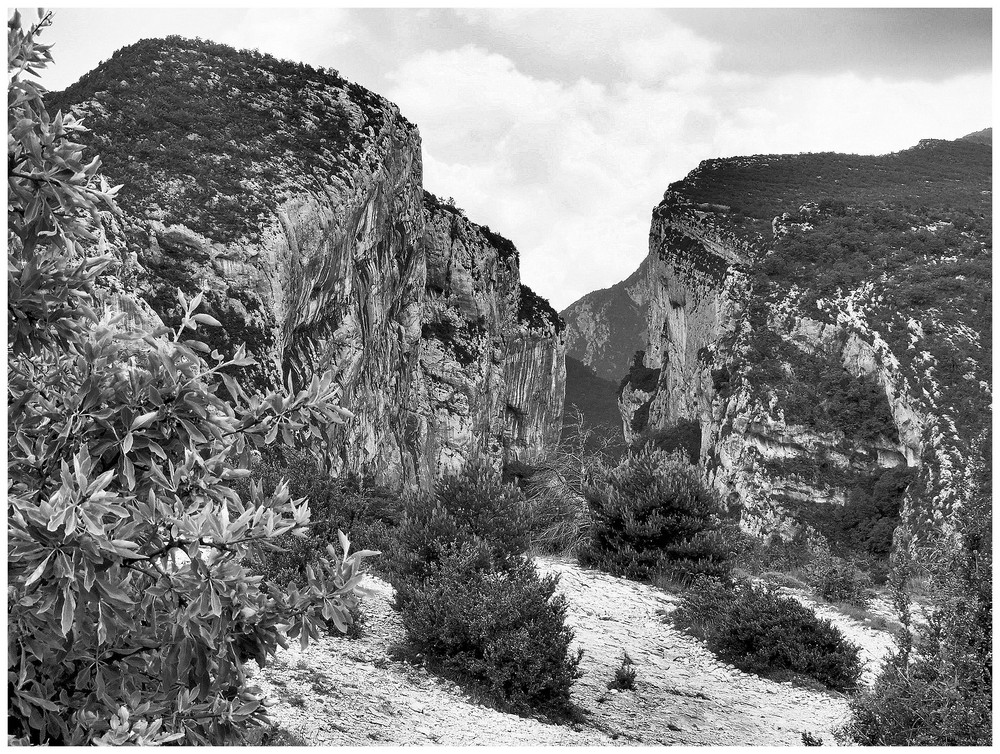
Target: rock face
x=292, y=200
x=820, y=348
x=492, y=376
x=605, y=328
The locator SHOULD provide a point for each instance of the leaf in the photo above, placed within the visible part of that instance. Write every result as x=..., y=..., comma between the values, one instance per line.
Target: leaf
x=144, y=420
x=345, y=543
x=69, y=608
x=207, y=319
x=37, y=573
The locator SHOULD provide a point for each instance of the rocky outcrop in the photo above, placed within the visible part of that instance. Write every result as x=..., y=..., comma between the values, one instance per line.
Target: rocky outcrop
x=492, y=378
x=605, y=328
x=292, y=200
x=813, y=381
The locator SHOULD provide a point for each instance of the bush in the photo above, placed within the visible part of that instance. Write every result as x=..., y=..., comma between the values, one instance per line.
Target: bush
x=919, y=705
x=558, y=514
x=838, y=580
x=471, y=601
x=624, y=679
x=939, y=691
x=366, y=513
x=652, y=515
x=130, y=608
x=762, y=632
x=503, y=629
x=470, y=508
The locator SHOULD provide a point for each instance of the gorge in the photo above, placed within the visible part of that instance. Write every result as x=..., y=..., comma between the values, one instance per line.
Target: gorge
x=814, y=329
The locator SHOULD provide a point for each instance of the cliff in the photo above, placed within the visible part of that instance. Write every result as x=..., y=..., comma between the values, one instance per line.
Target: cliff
x=293, y=200
x=605, y=328
x=819, y=332
x=492, y=369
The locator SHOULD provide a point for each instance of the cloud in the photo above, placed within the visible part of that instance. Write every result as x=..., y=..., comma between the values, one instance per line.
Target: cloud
x=570, y=170
x=561, y=129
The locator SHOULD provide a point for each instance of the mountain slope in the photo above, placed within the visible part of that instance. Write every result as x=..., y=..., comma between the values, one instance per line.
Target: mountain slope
x=826, y=320
x=292, y=199
x=597, y=401
x=605, y=328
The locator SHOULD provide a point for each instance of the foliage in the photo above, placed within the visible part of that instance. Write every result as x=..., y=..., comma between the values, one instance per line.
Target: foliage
x=130, y=608
x=624, y=679
x=366, y=513
x=558, y=514
x=217, y=133
x=652, y=515
x=640, y=377
x=932, y=174
x=470, y=600
x=683, y=437
x=502, y=628
x=536, y=311
x=836, y=579
x=938, y=689
x=760, y=631
x=471, y=508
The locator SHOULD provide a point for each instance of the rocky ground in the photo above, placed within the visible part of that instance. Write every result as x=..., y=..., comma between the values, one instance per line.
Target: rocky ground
x=351, y=691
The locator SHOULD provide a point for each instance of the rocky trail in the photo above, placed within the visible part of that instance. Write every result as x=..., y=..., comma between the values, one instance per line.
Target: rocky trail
x=342, y=691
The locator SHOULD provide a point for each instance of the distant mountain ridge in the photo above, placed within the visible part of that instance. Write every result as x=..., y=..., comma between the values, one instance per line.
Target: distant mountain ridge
x=606, y=327
x=980, y=137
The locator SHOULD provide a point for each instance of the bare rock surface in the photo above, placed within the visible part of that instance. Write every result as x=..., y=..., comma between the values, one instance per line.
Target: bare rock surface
x=342, y=691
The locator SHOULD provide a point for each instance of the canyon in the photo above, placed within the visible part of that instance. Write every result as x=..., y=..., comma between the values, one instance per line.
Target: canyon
x=813, y=330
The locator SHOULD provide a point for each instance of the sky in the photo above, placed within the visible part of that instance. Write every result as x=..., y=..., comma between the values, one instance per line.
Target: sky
x=562, y=128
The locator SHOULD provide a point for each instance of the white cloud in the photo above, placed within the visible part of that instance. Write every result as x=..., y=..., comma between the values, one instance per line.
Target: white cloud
x=571, y=170
x=562, y=129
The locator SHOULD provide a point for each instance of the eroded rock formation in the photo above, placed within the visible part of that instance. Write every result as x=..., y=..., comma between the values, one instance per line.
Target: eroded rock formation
x=293, y=201
x=824, y=358
x=605, y=328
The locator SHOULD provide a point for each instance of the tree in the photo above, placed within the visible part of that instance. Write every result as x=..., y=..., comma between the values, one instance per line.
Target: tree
x=130, y=610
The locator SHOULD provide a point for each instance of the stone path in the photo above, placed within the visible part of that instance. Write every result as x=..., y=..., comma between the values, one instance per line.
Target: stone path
x=349, y=692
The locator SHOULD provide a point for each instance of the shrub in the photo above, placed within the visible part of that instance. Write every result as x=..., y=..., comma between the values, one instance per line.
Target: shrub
x=558, y=514
x=503, y=629
x=838, y=580
x=939, y=691
x=624, y=679
x=473, y=507
x=130, y=608
x=367, y=514
x=652, y=515
x=760, y=631
x=919, y=705
x=470, y=600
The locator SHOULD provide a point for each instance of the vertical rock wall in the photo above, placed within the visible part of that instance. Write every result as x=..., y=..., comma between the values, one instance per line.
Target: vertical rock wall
x=699, y=330
x=491, y=386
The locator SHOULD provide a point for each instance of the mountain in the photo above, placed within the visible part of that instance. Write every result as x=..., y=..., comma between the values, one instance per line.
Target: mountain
x=980, y=137
x=823, y=323
x=292, y=199
x=605, y=328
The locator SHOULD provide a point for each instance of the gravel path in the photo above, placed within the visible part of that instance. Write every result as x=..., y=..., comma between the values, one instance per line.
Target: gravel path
x=349, y=692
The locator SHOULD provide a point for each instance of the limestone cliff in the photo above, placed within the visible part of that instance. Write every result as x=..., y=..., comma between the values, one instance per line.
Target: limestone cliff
x=492, y=371
x=293, y=200
x=823, y=334
x=605, y=328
